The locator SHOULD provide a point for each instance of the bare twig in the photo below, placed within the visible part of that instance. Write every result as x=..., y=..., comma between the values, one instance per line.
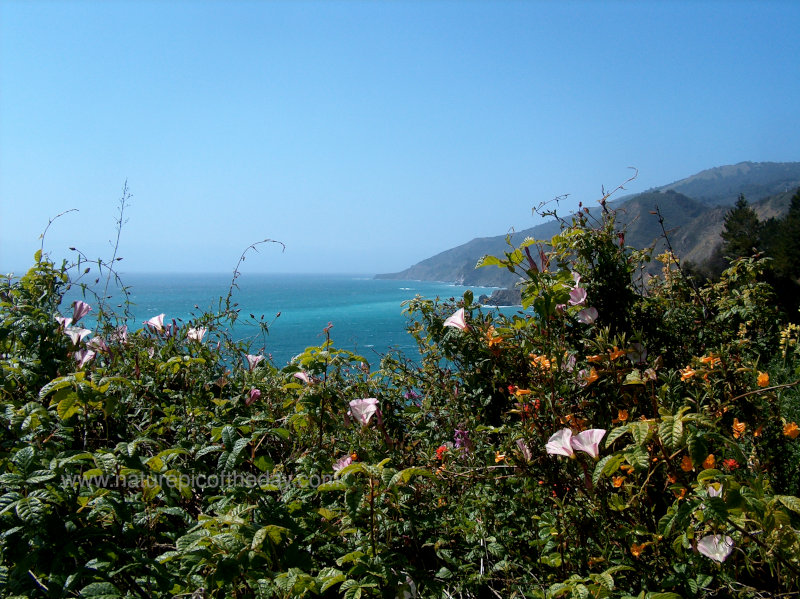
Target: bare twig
x=237, y=273
x=50, y=222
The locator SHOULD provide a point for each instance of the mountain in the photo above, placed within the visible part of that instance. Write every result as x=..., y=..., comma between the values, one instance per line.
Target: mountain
x=723, y=184
x=693, y=210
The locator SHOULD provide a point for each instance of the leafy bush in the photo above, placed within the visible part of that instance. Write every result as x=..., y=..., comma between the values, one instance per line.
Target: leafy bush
x=617, y=437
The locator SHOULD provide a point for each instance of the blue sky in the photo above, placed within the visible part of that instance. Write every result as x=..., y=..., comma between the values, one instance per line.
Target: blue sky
x=366, y=136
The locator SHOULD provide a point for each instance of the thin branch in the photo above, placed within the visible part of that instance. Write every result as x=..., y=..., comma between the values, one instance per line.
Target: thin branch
x=50, y=222
x=237, y=273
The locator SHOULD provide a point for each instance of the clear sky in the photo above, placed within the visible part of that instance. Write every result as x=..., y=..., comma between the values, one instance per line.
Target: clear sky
x=366, y=136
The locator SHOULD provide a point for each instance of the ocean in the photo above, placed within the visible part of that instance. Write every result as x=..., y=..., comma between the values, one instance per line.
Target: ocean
x=366, y=313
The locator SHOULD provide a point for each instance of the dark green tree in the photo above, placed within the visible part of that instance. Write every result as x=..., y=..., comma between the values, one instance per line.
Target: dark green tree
x=787, y=242
x=742, y=232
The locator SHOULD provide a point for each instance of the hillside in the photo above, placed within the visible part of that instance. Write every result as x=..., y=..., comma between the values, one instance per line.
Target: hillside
x=693, y=210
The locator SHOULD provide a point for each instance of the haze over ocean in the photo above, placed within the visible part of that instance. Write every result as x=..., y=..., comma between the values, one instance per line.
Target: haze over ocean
x=366, y=313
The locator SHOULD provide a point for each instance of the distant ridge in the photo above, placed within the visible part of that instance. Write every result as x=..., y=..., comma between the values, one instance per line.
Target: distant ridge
x=693, y=209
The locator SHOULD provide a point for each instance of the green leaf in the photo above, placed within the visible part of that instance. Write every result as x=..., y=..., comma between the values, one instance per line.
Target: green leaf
x=68, y=406
x=708, y=474
x=698, y=448
x=607, y=466
x=329, y=577
x=638, y=458
x=640, y=432
x=30, y=510
x=791, y=502
x=273, y=532
x=616, y=434
x=55, y=385
x=100, y=590
x=490, y=261
x=353, y=556
x=670, y=429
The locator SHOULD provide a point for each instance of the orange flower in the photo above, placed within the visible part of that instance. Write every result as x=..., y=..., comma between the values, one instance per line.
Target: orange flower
x=791, y=430
x=354, y=456
x=493, y=338
x=687, y=373
x=591, y=377
x=680, y=494
x=617, y=481
x=499, y=457
x=440, y=451
x=738, y=428
x=636, y=550
x=758, y=431
x=595, y=358
x=541, y=362
x=686, y=464
x=622, y=416
x=672, y=479
x=711, y=361
x=613, y=355
x=763, y=379
x=709, y=462
x=626, y=468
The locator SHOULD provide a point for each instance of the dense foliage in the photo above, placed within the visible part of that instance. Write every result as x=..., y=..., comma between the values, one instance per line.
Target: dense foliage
x=618, y=437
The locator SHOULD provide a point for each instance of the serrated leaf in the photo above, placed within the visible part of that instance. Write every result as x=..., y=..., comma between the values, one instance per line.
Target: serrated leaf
x=640, y=432
x=68, y=406
x=698, y=448
x=489, y=261
x=670, y=429
x=607, y=466
x=100, y=590
x=228, y=435
x=791, y=502
x=708, y=474
x=336, y=485
x=615, y=434
x=350, y=557
x=638, y=458
x=330, y=579
x=107, y=462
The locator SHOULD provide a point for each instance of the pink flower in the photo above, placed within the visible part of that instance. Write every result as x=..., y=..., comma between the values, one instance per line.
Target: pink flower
x=589, y=441
x=457, y=320
x=303, y=377
x=64, y=322
x=79, y=310
x=196, y=334
x=120, y=334
x=82, y=356
x=563, y=443
x=559, y=443
x=342, y=463
x=76, y=334
x=527, y=455
x=156, y=323
x=577, y=296
x=253, y=396
x=363, y=409
x=587, y=315
x=97, y=343
x=715, y=547
x=252, y=361
x=576, y=277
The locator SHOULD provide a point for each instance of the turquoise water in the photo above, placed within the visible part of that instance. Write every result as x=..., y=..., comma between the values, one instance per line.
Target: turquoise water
x=366, y=313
